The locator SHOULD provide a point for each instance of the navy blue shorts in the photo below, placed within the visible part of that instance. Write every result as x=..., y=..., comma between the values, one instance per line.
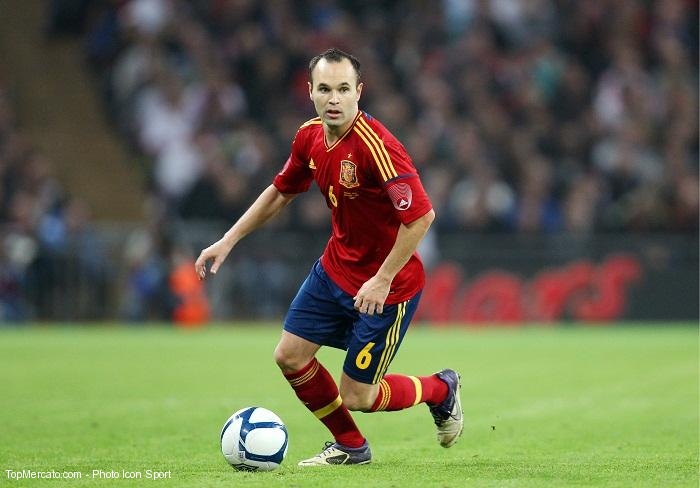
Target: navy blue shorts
x=324, y=314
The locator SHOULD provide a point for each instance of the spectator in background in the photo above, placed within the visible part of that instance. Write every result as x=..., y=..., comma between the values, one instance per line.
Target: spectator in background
x=51, y=263
x=539, y=116
x=147, y=293
x=15, y=252
x=574, y=79
x=479, y=82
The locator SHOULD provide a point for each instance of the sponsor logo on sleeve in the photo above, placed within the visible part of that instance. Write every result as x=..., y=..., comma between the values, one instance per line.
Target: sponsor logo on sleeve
x=401, y=195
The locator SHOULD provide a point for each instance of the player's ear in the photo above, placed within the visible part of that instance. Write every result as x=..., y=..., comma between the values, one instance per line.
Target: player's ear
x=359, y=90
x=311, y=89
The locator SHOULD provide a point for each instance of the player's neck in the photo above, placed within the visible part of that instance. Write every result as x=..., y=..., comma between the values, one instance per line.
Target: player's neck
x=334, y=133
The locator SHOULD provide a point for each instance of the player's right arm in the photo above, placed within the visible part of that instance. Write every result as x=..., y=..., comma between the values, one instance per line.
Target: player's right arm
x=266, y=206
x=294, y=178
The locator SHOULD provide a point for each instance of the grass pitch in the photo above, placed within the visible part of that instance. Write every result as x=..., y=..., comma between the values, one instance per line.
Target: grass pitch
x=564, y=406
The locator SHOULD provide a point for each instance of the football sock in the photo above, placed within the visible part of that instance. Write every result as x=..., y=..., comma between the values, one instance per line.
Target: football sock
x=315, y=387
x=397, y=392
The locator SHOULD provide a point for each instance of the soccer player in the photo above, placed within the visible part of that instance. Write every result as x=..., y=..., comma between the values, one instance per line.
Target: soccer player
x=361, y=294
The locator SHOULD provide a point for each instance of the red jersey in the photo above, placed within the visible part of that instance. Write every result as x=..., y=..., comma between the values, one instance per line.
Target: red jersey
x=372, y=187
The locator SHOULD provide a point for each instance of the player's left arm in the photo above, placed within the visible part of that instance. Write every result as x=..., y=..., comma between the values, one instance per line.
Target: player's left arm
x=372, y=294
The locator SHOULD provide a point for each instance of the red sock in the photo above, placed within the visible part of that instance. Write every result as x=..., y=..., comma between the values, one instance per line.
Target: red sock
x=397, y=392
x=315, y=387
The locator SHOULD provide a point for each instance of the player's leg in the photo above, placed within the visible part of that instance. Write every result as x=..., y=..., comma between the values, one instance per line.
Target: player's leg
x=365, y=385
x=393, y=392
x=293, y=353
x=338, y=452
x=440, y=391
x=314, y=319
x=316, y=389
x=356, y=395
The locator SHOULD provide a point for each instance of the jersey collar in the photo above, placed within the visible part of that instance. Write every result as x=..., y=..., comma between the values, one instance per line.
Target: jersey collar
x=330, y=148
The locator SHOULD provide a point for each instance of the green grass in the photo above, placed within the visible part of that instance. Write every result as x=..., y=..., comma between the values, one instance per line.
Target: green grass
x=564, y=406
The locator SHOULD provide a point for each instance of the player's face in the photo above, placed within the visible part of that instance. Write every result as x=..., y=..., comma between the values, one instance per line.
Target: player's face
x=335, y=93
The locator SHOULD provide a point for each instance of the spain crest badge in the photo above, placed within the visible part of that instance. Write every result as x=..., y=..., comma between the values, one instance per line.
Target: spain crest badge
x=348, y=174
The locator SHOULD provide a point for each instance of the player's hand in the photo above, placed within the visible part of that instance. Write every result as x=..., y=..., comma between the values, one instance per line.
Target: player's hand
x=371, y=296
x=216, y=252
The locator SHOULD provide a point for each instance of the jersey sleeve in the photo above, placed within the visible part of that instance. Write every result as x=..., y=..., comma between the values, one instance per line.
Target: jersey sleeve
x=295, y=176
x=408, y=197
x=402, y=183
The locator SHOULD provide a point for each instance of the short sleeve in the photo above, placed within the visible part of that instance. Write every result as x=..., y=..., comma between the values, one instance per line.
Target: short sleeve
x=401, y=181
x=295, y=176
x=408, y=197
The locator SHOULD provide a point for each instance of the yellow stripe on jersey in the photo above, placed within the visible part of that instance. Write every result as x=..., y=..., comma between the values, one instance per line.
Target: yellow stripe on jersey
x=379, y=145
x=315, y=121
x=378, y=150
x=392, y=340
x=419, y=389
x=381, y=149
x=371, y=148
x=328, y=409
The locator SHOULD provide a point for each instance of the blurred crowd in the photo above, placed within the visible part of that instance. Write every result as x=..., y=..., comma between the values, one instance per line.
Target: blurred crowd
x=522, y=115
x=51, y=261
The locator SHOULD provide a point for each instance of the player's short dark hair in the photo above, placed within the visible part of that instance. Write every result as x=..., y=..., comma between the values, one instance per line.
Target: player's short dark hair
x=335, y=55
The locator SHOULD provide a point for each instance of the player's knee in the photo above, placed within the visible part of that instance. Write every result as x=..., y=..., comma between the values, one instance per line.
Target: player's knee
x=288, y=361
x=283, y=360
x=357, y=405
x=357, y=402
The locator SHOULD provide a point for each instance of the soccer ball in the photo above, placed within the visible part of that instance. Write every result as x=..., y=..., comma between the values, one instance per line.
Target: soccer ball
x=254, y=439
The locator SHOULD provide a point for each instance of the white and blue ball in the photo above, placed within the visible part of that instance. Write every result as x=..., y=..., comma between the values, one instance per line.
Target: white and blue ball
x=254, y=439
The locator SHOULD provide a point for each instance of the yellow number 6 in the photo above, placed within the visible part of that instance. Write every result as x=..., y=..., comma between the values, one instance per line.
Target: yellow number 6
x=364, y=358
x=332, y=197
